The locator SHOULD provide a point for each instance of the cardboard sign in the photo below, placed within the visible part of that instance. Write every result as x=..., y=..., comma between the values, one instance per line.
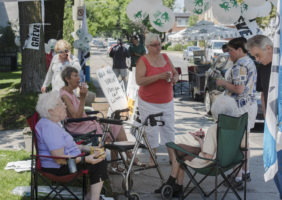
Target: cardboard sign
x=247, y=29
x=33, y=40
x=111, y=88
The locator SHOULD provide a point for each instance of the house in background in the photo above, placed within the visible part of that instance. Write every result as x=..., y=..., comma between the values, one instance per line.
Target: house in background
x=181, y=22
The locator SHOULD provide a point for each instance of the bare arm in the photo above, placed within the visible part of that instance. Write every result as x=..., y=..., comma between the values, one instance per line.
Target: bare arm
x=175, y=75
x=141, y=78
x=92, y=158
x=70, y=107
x=238, y=89
x=263, y=104
x=200, y=140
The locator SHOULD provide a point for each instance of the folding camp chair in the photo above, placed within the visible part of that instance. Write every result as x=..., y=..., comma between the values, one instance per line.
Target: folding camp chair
x=57, y=184
x=230, y=154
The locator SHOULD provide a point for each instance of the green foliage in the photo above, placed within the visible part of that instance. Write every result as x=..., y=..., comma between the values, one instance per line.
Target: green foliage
x=193, y=19
x=165, y=46
x=176, y=47
x=7, y=40
x=68, y=22
x=14, y=107
x=264, y=21
x=9, y=178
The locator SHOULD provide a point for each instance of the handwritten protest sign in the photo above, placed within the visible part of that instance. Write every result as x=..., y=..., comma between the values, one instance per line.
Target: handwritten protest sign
x=246, y=28
x=111, y=88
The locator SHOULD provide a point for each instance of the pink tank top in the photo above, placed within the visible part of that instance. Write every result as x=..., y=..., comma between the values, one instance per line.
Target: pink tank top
x=80, y=127
x=160, y=91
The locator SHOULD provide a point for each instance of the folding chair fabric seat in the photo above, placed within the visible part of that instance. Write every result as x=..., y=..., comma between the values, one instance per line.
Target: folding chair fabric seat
x=231, y=134
x=122, y=146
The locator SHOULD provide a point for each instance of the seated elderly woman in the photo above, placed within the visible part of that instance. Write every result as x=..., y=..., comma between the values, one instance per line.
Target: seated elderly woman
x=204, y=147
x=53, y=140
x=75, y=109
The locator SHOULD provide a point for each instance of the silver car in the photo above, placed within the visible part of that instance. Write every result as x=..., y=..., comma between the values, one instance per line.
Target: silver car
x=188, y=52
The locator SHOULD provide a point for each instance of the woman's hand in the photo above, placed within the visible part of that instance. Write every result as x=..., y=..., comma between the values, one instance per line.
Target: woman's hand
x=165, y=75
x=43, y=89
x=83, y=90
x=175, y=79
x=91, y=159
x=69, y=56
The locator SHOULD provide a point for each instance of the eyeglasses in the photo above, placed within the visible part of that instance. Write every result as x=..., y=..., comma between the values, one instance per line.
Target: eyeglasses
x=156, y=45
x=65, y=51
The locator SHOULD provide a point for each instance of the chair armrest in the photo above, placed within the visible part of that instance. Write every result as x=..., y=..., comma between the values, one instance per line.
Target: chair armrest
x=58, y=157
x=178, y=148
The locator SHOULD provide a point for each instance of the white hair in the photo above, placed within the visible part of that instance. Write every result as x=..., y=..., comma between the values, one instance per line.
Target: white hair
x=47, y=101
x=259, y=41
x=151, y=37
x=224, y=105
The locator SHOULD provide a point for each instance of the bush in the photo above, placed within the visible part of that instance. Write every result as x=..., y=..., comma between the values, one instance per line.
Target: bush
x=178, y=47
x=165, y=46
x=7, y=40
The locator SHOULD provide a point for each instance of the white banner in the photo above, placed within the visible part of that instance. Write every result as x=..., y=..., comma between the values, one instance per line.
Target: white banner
x=111, y=88
x=33, y=40
x=131, y=92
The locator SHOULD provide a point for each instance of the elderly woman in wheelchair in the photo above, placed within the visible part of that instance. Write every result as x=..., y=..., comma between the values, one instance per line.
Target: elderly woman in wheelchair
x=53, y=140
x=75, y=109
x=206, y=147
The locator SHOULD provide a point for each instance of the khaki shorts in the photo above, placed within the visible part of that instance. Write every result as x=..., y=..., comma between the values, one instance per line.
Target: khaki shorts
x=121, y=72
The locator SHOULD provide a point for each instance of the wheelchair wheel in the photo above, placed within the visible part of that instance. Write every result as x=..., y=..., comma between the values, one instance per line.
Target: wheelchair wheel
x=130, y=183
x=134, y=196
x=167, y=192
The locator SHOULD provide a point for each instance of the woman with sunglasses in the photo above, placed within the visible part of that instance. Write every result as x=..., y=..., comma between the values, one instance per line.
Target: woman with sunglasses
x=59, y=62
x=155, y=74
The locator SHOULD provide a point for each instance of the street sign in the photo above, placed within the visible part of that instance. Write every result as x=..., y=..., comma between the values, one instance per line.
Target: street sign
x=80, y=13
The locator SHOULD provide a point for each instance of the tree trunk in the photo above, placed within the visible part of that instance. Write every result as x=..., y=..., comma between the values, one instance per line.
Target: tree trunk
x=54, y=15
x=33, y=61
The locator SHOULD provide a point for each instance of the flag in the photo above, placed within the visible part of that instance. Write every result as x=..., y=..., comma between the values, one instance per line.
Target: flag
x=272, y=129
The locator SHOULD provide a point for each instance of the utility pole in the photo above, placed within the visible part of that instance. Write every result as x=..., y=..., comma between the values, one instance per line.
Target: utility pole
x=77, y=23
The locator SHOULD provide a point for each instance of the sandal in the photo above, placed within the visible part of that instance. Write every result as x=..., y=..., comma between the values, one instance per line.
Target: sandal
x=136, y=162
x=116, y=170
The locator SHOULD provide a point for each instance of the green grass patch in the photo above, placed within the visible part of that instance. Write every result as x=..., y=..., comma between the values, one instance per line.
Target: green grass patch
x=14, y=107
x=9, y=178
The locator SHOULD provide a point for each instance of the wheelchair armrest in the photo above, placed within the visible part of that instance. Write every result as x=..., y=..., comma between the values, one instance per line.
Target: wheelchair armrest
x=178, y=148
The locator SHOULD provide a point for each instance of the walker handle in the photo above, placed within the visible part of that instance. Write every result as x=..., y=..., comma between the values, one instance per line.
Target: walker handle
x=80, y=119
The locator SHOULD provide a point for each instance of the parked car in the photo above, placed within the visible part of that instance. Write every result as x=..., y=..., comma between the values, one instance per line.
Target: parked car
x=219, y=70
x=188, y=52
x=213, y=49
x=98, y=44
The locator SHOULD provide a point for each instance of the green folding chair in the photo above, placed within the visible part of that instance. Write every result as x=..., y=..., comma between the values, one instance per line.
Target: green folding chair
x=230, y=154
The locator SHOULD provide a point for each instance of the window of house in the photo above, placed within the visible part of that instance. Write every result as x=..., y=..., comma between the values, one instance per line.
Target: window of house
x=182, y=22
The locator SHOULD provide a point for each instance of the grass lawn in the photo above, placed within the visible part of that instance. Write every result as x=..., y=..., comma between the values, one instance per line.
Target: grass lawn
x=14, y=107
x=9, y=178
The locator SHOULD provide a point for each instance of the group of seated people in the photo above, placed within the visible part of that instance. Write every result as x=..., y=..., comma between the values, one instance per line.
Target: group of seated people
x=53, y=140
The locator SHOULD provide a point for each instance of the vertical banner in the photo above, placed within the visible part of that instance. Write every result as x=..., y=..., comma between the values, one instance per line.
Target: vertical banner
x=131, y=92
x=111, y=88
x=33, y=40
x=272, y=136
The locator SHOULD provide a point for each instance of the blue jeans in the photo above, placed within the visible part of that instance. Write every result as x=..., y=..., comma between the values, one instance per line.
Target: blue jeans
x=278, y=176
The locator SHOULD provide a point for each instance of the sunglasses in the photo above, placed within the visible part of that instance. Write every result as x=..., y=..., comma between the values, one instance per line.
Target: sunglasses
x=61, y=52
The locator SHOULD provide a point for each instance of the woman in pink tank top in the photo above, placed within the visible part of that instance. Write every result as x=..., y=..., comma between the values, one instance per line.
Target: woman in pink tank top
x=155, y=74
x=75, y=109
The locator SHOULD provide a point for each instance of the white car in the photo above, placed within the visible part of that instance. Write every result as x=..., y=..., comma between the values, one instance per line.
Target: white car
x=214, y=49
x=188, y=52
